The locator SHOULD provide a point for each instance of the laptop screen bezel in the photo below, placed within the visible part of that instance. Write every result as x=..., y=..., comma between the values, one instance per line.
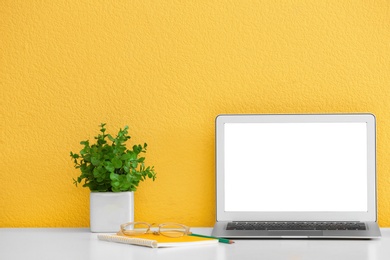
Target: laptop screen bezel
x=223, y=215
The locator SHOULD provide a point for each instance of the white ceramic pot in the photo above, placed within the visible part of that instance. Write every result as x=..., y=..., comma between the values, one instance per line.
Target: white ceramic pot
x=108, y=210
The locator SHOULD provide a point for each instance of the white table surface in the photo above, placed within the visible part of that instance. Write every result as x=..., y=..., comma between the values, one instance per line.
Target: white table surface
x=80, y=243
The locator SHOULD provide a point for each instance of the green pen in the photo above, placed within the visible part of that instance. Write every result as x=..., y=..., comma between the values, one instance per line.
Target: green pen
x=220, y=240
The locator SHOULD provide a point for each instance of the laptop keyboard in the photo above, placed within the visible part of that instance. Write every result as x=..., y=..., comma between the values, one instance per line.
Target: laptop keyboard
x=240, y=225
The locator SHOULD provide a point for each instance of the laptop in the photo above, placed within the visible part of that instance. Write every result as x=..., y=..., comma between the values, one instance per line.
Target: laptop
x=296, y=176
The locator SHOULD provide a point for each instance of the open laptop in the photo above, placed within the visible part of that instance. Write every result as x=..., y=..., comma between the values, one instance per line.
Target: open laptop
x=296, y=176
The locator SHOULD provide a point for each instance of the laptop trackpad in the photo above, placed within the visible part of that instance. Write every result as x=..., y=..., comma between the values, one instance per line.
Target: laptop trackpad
x=295, y=233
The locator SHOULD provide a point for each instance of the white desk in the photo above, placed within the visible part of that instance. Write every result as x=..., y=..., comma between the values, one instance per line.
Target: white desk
x=72, y=244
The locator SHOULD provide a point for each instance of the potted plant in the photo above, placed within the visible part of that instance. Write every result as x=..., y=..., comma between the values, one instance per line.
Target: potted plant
x=112, y=172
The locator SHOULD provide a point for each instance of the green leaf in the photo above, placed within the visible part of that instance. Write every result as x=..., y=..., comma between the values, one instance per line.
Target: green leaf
x=95, y=161
x=136, y=149
x=112, y=139
x=74, y=155
x=128, y=177
x=125, y=156
x=110, y=167
x=117, y=163
x=96, y=172
x=114, y=176
x=86, y=143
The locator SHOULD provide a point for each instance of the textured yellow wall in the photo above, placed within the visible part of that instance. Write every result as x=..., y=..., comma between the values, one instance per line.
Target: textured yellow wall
x=167, y=68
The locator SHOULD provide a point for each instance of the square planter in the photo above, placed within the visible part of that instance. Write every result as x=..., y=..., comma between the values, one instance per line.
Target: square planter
x=108, y=210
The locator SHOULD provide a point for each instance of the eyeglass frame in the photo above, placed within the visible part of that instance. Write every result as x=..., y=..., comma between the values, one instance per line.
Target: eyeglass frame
x=158, y=232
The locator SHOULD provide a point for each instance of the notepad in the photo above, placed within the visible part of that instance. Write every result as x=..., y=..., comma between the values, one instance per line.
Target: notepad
x=154, y=241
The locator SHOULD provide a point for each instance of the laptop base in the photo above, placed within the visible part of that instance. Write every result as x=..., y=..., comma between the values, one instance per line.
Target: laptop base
x=372, y=231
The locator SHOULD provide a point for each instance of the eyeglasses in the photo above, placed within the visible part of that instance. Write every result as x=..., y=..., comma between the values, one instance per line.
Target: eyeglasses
x=165, y=229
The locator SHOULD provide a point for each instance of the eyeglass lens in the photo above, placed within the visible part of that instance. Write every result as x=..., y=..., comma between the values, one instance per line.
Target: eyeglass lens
x=172, y=230
x=136, y=228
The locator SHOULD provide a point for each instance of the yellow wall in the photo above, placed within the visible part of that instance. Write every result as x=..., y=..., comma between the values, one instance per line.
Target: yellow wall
x=167, y=68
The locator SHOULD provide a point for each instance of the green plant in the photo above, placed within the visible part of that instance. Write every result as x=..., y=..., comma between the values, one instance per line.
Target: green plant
x=108, y=165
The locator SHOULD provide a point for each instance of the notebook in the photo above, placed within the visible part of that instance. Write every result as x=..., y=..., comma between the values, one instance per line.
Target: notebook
x=296, y=176
x=154, y=241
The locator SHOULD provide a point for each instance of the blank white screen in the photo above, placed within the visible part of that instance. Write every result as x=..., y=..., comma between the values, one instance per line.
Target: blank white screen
x=295, y=167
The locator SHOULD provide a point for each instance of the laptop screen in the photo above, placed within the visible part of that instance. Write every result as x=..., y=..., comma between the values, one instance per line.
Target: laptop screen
x=295, y=163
